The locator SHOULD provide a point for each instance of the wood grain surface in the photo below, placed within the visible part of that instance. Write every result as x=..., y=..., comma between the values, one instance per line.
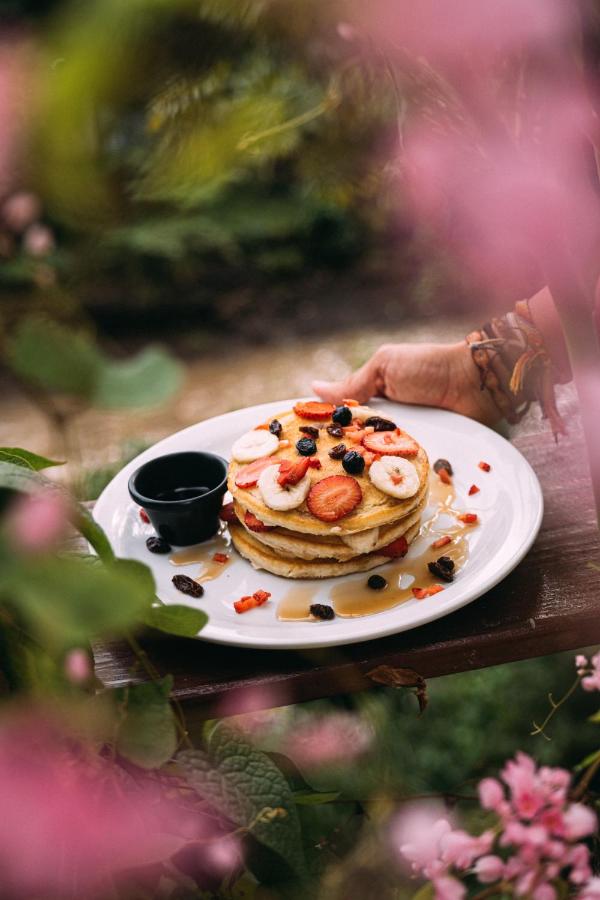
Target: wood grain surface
x=549, y=603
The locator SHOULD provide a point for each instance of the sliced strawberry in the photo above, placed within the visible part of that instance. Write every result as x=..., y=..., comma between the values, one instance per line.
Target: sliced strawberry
x=485, y=467
x=444, y=476
x=221, y=558
x=441, y=542
x=391, y=443
x=396, y=550
x=350, y=402
x=248, y=475
x=253, y=523
x=313, y=409
x=293, y=472
x=334, y=497
x=144, y=516
x=314, y=463
x=251, y=602
x=469, y=518
x=227, y=513
x=473, y=490
x=422, y=593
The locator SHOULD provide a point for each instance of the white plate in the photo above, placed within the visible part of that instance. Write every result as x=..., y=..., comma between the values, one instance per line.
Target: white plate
x=509, y=505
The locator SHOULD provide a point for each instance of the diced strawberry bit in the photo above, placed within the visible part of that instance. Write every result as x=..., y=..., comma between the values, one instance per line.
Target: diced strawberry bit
x=368, y=457
x=444, y=476
x=254, y=523
x=313, y=409
x=354, y=427
x=314, y=463
x=251, y=601
x=468, y=518
x=485, y=467
x=292, y=472
x=227, y=513
x=144, y=516
x=355, y=436
x=396, y=550
x=247, y=477
x=221, y=558
x=347, y=402
x=441, y=542
x=334, y=497
x=284, y=443
x=422, y=593
x=473, y=490
x=396, y=479
x=263, y=427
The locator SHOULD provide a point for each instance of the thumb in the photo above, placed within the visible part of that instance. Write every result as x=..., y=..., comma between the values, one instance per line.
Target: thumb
x=361, y=385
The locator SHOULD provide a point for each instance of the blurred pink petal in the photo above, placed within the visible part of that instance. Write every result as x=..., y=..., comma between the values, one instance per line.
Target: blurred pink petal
x=491, y=794
x=38, y=240
x=20, y=211
x=38, y=522
x=580, y=821
x=448, y=888
x=322, y=740
x=78, y=666
x=489, y=869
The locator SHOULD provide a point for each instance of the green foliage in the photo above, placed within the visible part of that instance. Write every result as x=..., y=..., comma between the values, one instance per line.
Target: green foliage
x=53, y=358
x=146, y=734
x=182, y=621
x=26, y=459
x=246, y=786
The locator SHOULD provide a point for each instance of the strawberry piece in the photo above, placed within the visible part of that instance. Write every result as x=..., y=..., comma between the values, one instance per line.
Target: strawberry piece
x=444, y=476
x=313, y=409
x=254, y=523
x=334, y=497
x=441, y=542
x=314, y=463
x=369, y=457
x=263, y=427
x=350, y=402
x=473, y=490
x=391, y=443
x=251, y=602
x=396, y=550
x=485, y=467
x=144, y=516
x=469, y=518
x=221, y=558
x=422, y=593
x=248, y=475
x=292, y=472
x=355, y=436
x=227, y=513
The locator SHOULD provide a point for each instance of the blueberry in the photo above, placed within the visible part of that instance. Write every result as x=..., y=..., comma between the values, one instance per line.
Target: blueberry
x=342, y=415
x=306, y=447
x=353, y=463
x=377, y=582
x=276, y=427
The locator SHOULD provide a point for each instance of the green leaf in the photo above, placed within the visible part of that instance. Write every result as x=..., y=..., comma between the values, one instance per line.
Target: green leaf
x=316, y=798
x=588, y=760
x=67, y=601
x=243, y=784
x=15, y=477
x=147, y=734
x=595, y=717
x=54, y=358
x=26, y=459
x=425, y=892
x=146, y=380
x=176, y=619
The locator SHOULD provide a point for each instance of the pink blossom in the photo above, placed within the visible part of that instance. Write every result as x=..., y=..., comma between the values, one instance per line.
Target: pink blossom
x=579, y=821
x=323, y=740
x=38, y=240
x=448, y=888
x=526, y=794
x=590, y=672
x=38, y=522
x=21, y=210
x=460, y=848
x=78, y=666
x=489, y=869
x=491, y=794
x=544, y=891
x=424, y=851
x=591, y=890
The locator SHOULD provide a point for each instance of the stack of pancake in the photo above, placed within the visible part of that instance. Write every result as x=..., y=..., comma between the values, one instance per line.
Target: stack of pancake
x=296, y=543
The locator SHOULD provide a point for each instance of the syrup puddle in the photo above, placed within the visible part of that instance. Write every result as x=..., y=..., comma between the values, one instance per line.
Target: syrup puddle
x=354, y=598
x=203, y=554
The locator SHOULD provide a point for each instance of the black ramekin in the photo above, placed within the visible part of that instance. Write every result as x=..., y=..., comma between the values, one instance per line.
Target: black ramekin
x=188, y=521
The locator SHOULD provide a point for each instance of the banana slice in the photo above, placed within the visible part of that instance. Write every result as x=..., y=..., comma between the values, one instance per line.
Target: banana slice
x=281, y=498
x=253, y=445
x=360, y=413
x=395, y=476
x=362, y=541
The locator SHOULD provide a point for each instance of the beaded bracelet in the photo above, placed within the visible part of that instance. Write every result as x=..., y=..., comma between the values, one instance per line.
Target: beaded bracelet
x=515, y=367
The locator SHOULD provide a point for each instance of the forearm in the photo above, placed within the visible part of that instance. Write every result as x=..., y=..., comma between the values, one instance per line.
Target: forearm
x=546, y=320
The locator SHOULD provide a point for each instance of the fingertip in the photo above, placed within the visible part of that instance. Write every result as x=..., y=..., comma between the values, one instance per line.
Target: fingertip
x=322, y=389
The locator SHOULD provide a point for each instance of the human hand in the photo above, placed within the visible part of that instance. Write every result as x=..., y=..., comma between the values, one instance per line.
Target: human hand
x=442, y=375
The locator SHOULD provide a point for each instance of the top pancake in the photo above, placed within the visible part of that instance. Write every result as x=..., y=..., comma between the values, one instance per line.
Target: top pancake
x=375, y=508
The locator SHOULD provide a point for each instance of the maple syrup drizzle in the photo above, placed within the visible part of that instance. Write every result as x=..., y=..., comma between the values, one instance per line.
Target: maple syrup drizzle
x=203, y=554
x=354, y=598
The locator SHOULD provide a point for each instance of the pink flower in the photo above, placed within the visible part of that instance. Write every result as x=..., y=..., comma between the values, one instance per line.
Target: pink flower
x=544, y=891
x=489, y=869
x=38, y=240
x=491, y=794
x=579, y=821
x=520, y=776
x=590, y=671
x=448, y=888
x=78, y=666
x=21, y=210
x=591, y=890
x=460, y=848
x=38, y=522
x=424, y=851
x=324, y=740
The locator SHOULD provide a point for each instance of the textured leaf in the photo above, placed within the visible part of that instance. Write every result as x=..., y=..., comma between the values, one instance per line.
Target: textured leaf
x=67, y=601
x=146, y=380
x=15, y=477
x=147, y=735
x=183, y=621
x=248, y=788
x=27, y=459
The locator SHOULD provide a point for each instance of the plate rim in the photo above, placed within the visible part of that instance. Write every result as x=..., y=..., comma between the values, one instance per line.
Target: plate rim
x=236, y=639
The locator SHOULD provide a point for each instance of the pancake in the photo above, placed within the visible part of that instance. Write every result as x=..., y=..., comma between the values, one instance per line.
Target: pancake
x=376, y=508
x=263, y=557
x=304, y=546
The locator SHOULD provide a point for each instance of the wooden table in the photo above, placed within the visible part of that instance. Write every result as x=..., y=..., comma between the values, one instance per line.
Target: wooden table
x=549, y=603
